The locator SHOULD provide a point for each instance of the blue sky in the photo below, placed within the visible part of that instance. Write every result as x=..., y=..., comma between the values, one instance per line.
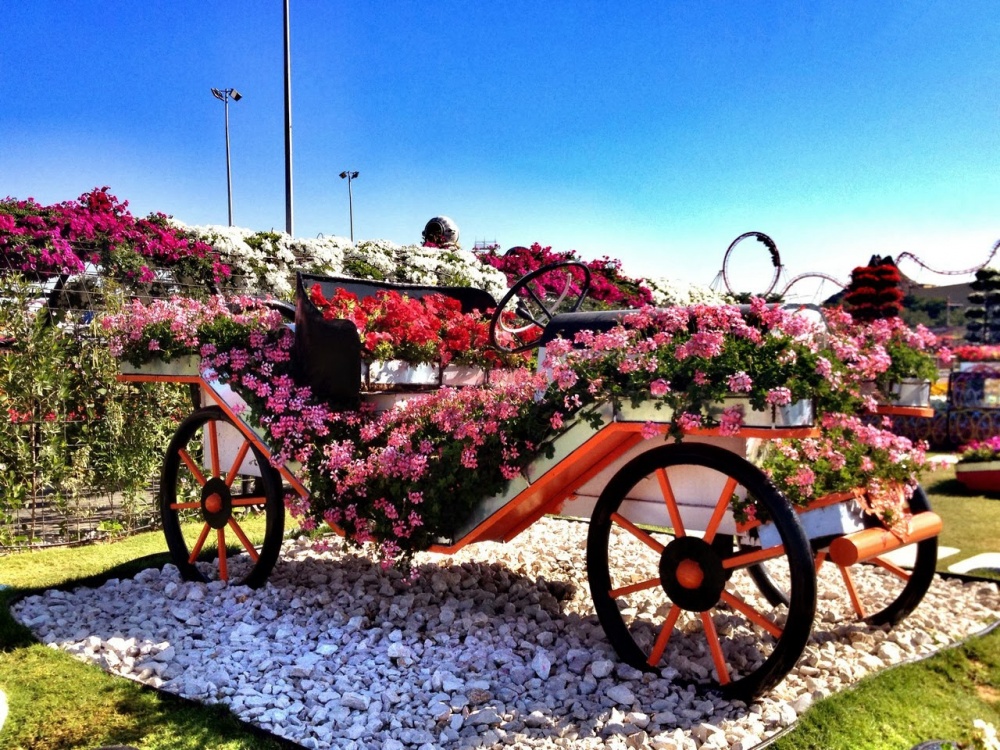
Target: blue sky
x=655, y=132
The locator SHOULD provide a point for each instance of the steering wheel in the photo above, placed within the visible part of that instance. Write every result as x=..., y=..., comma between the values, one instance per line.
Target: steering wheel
x=524, y=311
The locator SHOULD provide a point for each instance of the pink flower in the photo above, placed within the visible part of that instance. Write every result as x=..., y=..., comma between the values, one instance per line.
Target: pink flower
x=740, y=382
x=650, y=430
x=688, y=421
x=779, y=396
x=659, y=387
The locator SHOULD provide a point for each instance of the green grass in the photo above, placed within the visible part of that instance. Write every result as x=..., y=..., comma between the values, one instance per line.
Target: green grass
x=971, y=521
x=938, y=698
x=58, y=702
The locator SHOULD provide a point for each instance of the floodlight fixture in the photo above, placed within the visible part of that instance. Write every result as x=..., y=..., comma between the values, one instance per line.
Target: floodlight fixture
x=224, y=96
x=350, y=176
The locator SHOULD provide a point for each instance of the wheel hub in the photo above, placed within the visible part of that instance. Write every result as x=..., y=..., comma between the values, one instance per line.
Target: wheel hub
x=691, y=573
x=216, y=503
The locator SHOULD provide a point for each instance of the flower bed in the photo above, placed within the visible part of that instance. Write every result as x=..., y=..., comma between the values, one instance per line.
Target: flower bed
x=978, y=466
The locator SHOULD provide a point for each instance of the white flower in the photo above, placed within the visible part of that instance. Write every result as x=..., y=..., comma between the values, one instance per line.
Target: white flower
x=670, y=292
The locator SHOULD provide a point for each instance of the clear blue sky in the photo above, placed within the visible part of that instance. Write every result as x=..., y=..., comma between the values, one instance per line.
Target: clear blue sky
x=655, y=132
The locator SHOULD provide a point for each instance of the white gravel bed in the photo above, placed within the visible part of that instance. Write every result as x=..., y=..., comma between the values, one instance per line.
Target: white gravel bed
x=496, y=646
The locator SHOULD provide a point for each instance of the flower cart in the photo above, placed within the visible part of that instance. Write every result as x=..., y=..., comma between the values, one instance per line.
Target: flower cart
x=695, y=560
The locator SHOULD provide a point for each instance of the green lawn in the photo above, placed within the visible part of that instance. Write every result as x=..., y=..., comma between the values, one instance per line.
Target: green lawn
x=58, y=702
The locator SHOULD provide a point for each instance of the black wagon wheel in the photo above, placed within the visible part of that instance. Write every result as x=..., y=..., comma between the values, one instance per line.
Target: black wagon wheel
x=536, y=298
x=882, y=599
x=644, y=580
x=213, y=474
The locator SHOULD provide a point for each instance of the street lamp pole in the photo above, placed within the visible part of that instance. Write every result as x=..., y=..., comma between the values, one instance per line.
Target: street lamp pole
x=289, y=223
x=224, y=95
x=349, y=176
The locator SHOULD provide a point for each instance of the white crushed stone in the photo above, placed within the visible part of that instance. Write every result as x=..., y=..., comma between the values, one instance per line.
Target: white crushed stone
x=495, y=646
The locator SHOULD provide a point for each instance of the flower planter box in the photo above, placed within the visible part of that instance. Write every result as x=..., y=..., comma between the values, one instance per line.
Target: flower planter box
x=835, y=519
x=186, y=366
x=381, y=376
x=911, y=392
x=982, y=476
x=457, y=376
x=796, y=414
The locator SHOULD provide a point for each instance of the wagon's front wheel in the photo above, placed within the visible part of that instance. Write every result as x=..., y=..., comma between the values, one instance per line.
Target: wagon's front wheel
x=668, y=597
x=213, y=475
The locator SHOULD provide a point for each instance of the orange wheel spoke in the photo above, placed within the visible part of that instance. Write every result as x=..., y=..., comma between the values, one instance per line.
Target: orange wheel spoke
x=894, y=569
x=237, y=463
x=820, y=559
x=243, y=538
x=661, y=640
x=749, y=558
x=752, y=614
x=632, y=588
x=242, y=502
x=715, y=647
x=192, y=466
x=638, y=533
x=184, y=506
x=852, y=591
x=196, y=550
x=213, y=446
x=720, y=509
x=671, y=501
x=223, y=568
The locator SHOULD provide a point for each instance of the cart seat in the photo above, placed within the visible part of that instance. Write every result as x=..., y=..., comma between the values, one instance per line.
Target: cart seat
x=327, y=353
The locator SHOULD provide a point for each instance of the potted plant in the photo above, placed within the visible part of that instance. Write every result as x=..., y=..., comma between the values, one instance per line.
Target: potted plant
x=978, y=467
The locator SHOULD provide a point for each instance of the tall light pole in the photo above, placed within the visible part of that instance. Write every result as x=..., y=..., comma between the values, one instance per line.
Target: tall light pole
x=350, y=197
x=288, y=124
x=224, y=96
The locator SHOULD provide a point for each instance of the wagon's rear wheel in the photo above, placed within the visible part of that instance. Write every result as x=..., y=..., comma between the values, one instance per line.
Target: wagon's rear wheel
x=879, y=591
x=212, y=474
x=683, y=600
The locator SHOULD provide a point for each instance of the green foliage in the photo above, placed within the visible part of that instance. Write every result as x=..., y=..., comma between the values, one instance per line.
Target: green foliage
x=68, y=429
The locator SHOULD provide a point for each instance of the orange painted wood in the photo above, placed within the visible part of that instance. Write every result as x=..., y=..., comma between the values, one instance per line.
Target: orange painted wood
x=890, y=410
x=664, y=636
x=137, y=378
x=864, y=545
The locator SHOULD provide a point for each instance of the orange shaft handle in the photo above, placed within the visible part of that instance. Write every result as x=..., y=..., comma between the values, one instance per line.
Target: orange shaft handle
x=864, y=545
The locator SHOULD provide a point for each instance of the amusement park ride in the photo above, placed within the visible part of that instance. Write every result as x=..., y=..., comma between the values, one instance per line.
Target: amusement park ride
x=813, y=286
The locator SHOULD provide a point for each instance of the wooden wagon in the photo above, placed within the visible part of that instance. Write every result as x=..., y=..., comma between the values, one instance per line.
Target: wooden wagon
x=672, y=571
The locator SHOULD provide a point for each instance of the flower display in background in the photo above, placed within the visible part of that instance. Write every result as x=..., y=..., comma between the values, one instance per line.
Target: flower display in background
x=98, y=230
x=980, y=451
x=976, y=353
x=874, y=291
x=609, y=288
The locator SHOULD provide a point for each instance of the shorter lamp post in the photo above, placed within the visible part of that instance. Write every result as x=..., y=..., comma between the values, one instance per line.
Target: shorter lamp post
x=224, y=96
x=350, y=197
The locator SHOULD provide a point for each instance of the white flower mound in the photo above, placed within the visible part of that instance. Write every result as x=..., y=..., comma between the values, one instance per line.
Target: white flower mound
x=669, y=292
x=267, y=261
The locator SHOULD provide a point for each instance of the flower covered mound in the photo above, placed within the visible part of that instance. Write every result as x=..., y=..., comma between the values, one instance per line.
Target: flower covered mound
x=409, y=477
x=98, y=230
